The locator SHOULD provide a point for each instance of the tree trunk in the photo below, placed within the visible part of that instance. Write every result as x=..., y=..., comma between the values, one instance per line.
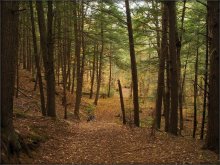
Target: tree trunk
x=93, y=72
x=73, y=76
x=78, y=67
x=173, y=68
x=212, y=139
x=133, y=65
x=179, y=44
x=163, y=54
x=38, y=77
x=205, y=81
x=122, y=102
x=99, y=78
x=110, y=72
x=47, y=51
x=9, y=51
x=195, y=94
x=50, y=72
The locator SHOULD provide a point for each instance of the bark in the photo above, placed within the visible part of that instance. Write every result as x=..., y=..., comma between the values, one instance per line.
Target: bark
x=9, y=51
x=205, y=82
x=122, y=102
x=64, y=72
x=173, y=68
x=93, y=72
x=212, y=139
x=73, y=76
x=163, y=54
x=78, y=67
x=133, y=65
x=99, y=78
x=110, y=72
x=179, y=43
x=167, y=94
x=50, y=72
x=195, y=94
x=47, y=51
x=38, y=77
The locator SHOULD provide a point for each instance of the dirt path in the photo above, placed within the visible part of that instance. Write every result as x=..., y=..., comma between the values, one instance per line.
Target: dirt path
x=105, y=141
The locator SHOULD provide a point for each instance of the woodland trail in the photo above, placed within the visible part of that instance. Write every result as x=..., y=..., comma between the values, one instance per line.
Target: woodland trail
x=101, y=141
x=106, y=141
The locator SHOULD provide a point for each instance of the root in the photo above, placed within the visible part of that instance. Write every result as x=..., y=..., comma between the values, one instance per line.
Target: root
x=12, y=144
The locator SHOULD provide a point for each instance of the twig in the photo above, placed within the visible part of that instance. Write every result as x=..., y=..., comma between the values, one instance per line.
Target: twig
x=23, y=93
x=200, y=87
x=202, y=3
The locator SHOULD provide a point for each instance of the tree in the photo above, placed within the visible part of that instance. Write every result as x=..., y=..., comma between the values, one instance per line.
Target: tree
x=133, y=65
x=212, y=139
x=78, y=60
x=93, y=71
x=163, y=54
x=46, y=42
x=122, y=102
x=99, y=77
x=205, y=81
x=9, y=51
x=195, y=92
x=37, y=61
x=173, y=68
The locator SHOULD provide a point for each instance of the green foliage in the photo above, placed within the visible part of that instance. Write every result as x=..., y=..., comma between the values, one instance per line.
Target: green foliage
x=90, y=109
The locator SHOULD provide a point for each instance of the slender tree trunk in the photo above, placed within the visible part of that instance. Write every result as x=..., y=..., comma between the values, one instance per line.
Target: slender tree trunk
x=78, y=67
x=110, y=72
x=99, y=78
x=122, y=102
x=212, y=139
x=179, y=43
x=73, y=76
x=205, y=82
x=93, y=72
x=195, y=94
x=133, y=65
x=47, y=51
x=24, y=44
x=163, y=54
x=17, y=76
x=38, y=77
x=173, y=68
x=51, y=77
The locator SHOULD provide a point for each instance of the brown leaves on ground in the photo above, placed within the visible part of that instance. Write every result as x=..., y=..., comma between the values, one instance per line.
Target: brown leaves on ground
x=104, y=140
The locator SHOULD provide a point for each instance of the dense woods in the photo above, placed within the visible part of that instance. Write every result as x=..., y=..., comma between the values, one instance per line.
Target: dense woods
x=110, y=78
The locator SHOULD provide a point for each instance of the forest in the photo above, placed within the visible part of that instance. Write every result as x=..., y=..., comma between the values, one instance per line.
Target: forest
x=110, y=82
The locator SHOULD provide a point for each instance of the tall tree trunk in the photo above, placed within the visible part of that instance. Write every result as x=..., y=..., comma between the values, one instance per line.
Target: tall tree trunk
x=178, y=44
x=212, y=139
x=24, y=44
x=9, y=52
x=133, y=65
x=50, y=72
x=173, y=68
x=163, y=54
x=122, y=102
x=110, y=71
x=195, y=93
x=39, y=77
x=99, y=78
x=205, y=81
x=73, y=75
x=93, y=71
x=78, y=67
x=167, y=94
x=47, y=51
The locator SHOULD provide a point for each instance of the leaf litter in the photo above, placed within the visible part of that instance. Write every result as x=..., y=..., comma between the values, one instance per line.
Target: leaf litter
x=102, y=141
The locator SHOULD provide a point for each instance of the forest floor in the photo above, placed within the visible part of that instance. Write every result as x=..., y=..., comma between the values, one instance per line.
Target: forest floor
x=101, y=141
